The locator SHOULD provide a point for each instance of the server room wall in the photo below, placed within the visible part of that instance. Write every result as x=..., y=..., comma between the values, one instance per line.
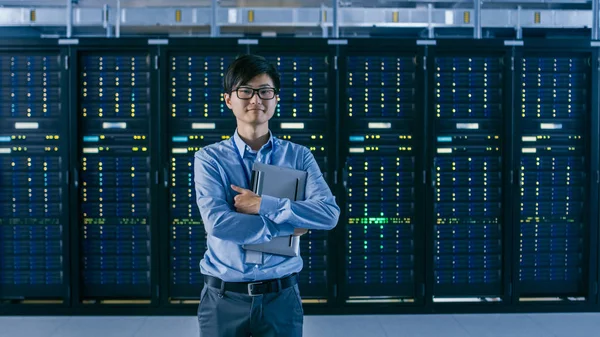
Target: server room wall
x=467, y=172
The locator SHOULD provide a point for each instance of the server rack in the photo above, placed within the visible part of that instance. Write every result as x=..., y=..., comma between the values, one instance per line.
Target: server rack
x=382, y=155
x=306, y=115
x=34, y=207
x=468, y=90
x=115, y=176
x=194, y=115
x=554, y=164
x=511, y=250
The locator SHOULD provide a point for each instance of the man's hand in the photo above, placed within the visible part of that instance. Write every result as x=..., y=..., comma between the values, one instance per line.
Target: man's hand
x=300, y=231
x=246, y=201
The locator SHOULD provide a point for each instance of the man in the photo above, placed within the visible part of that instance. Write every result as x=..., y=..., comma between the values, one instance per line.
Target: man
x=253, y=293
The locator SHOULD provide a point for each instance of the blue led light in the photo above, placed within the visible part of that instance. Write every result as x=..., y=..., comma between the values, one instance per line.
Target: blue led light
x=444, y=139
x=88, y=139
x=5, y=139
x=180, y=139
x=357, y=138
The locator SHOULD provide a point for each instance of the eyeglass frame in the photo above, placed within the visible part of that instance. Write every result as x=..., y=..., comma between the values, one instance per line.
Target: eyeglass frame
x=255, y=92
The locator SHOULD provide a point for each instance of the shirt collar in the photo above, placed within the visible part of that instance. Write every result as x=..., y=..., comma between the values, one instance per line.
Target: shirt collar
x=241, y=145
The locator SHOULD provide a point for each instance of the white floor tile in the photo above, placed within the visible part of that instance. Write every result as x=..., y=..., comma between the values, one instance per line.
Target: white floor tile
x=169, y=326
x=570, y=324
x=317, y=326
x=100, y=326
x=43, y=326
x=502, y=325
x=422, y=326
x=342, y=326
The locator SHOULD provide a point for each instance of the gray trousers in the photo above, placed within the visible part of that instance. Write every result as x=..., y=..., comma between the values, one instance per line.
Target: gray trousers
x=234, y=314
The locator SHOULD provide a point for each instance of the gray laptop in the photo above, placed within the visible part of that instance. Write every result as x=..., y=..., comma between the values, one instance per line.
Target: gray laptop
x=278, y=182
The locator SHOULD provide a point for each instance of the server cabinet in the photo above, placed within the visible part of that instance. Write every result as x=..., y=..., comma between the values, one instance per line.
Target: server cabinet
x=116, y=174
x=305, y=115
x=553, y=151
x=465, y=172
x=467, y=114
x=34, y=227
x=381, y=154
x=196, y=116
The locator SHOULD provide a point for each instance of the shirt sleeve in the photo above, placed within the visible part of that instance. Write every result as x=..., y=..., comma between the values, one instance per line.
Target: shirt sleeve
x=219, y=217
x=318, y=210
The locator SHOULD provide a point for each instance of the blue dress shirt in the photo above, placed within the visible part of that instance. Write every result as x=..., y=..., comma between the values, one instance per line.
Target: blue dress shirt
x=216, y=167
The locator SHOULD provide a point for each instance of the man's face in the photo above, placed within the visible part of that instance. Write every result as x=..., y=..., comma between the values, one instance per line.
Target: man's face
x=254, y=111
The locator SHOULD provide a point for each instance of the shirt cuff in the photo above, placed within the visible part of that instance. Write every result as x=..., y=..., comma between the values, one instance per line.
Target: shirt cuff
x=268, y=205
x=285, y=229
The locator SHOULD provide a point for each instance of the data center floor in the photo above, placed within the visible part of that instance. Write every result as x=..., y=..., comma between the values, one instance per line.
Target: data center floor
x=484, y=325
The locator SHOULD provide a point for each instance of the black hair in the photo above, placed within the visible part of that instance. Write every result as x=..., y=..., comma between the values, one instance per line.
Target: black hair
x=245, y=68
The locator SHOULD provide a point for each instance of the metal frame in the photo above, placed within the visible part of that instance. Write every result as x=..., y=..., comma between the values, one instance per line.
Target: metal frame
x=160, y=304
x=314, y=21
x=338, y=190
x=162, y=175
x=509, y=180
x=595, y=160
x=594, y=210
x=427, y=173
x=74, y=226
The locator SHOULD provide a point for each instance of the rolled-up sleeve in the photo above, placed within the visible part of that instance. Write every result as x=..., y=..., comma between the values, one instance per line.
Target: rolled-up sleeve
x=220, y=219
x=318, y=210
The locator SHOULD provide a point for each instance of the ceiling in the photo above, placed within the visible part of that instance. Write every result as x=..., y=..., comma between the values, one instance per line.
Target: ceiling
x=550, y=4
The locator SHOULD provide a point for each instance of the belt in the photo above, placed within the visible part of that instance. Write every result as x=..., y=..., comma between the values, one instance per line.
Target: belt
x=253, y=288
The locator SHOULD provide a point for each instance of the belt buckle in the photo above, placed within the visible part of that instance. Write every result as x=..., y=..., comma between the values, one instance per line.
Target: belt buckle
x=250, y=288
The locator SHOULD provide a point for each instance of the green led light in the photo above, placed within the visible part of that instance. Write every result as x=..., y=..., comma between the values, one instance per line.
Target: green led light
x=375, y=220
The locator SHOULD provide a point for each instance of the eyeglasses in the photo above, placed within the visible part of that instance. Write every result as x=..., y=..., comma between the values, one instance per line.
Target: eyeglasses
x=248, y=93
